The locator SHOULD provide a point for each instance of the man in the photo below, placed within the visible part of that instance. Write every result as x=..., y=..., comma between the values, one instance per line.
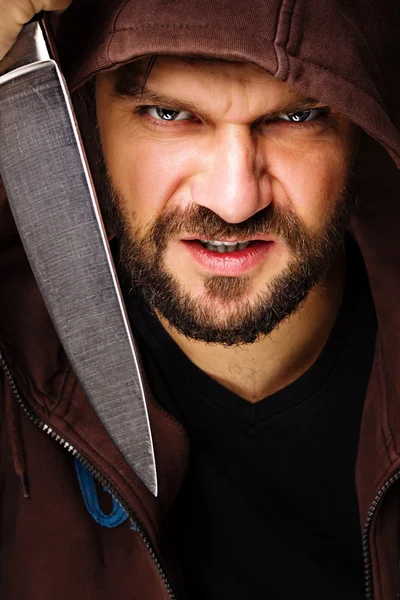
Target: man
x=247, y=163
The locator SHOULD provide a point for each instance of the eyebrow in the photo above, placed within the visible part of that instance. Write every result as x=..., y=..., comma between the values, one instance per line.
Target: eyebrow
x=134, y=90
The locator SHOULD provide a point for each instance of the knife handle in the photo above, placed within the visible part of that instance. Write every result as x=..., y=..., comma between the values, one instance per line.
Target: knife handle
x=33, y=45
x=37, y=17
x=48, y=33
x=43, y=18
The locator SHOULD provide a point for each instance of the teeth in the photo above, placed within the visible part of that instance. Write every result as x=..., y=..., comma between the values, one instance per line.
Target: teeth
x=216, y=243
x=217, y=246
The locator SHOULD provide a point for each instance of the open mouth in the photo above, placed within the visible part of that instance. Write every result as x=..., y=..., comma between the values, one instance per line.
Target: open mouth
x=232, y=258
x=216, y=246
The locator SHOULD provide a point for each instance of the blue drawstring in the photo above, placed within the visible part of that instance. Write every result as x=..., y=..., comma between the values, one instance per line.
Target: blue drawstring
x=88, y=488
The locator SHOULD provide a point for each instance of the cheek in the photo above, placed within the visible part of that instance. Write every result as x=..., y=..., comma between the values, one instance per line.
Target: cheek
x=311, y=181
x=146, y=171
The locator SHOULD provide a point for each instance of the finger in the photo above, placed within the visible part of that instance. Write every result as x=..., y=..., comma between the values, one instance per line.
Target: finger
x=15, y=13
x=56, y=4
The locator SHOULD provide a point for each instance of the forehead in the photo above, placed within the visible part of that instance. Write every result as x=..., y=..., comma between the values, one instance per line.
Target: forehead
x=213, y=82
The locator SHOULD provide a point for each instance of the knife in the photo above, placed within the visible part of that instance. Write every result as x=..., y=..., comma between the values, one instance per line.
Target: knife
x=53, y=201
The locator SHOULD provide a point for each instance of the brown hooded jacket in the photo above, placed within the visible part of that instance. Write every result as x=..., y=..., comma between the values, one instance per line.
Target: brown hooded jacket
x=343, y=52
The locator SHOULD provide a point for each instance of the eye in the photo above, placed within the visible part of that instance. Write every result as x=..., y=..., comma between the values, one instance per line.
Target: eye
x=302, y=116
x=161, y=113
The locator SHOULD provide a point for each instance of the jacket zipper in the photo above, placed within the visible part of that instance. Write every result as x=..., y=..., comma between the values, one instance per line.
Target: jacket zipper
x=136, y=525
x=365, y=537
x=133, y=519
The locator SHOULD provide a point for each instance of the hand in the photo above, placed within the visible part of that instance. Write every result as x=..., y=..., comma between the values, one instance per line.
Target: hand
x=15, y=13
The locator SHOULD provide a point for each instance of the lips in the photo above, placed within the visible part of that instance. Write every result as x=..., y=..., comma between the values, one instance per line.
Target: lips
x=221, y=261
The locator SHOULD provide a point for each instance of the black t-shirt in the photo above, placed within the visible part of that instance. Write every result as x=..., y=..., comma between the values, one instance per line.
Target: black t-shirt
x=269, y=509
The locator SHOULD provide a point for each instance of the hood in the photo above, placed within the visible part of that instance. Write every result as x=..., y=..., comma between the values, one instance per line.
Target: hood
x=339, y=51
x=342, y=52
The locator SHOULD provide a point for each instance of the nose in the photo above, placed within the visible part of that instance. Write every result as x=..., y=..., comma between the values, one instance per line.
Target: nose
x=234, y=183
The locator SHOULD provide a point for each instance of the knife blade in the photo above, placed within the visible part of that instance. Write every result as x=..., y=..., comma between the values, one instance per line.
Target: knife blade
x=54, y=204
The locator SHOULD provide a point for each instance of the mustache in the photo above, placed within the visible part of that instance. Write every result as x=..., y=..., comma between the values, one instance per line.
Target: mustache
x=199, y=221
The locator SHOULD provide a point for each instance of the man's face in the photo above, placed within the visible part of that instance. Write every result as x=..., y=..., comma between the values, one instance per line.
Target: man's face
x=231, y=191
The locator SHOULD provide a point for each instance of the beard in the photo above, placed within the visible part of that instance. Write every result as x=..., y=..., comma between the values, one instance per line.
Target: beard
x=224, y=314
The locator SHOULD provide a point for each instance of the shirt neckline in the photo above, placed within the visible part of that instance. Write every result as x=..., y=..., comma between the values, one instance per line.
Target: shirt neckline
x=171, y=357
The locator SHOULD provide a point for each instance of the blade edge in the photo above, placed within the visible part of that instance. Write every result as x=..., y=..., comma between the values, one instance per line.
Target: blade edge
x=148, y=472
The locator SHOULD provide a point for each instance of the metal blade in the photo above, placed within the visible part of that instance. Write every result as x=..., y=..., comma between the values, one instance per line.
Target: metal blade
x=51, y=195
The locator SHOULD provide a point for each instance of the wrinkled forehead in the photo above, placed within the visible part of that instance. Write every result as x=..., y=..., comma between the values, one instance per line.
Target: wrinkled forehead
x=210, y=81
